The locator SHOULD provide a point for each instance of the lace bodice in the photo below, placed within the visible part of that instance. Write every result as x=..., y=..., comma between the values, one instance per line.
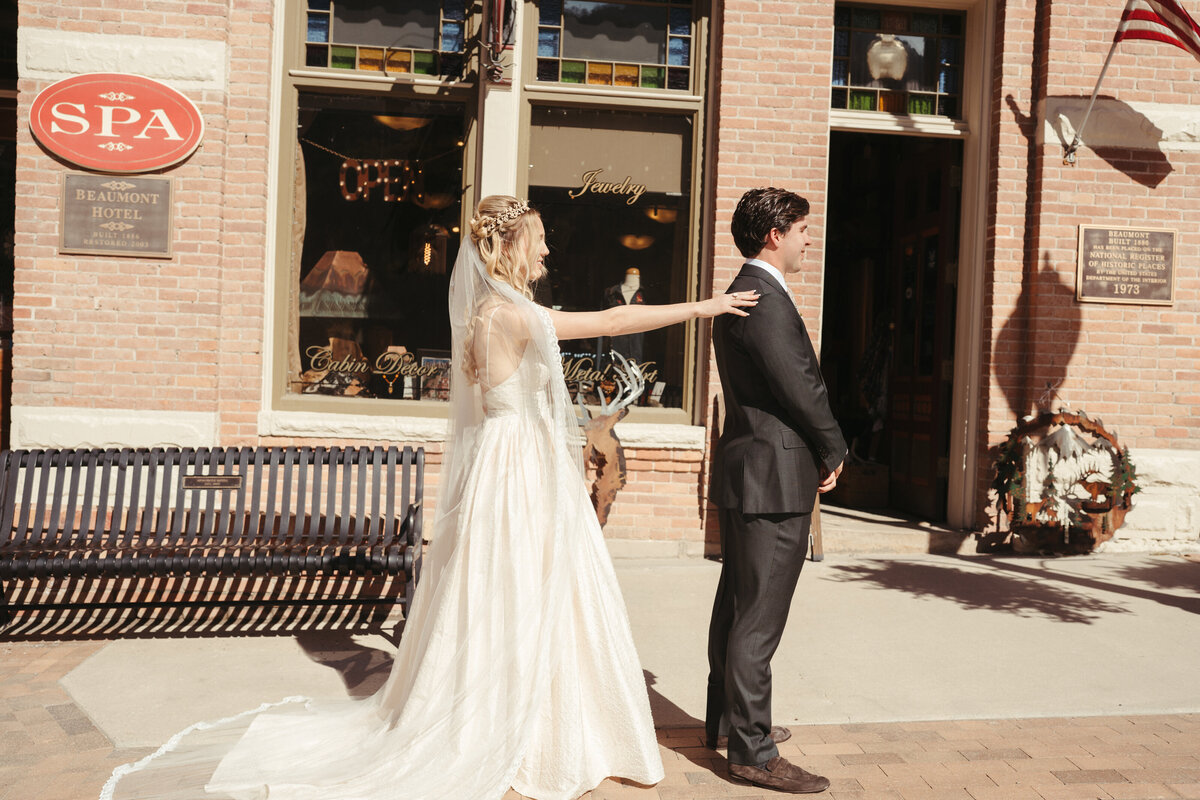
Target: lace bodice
x=523, y=392
x=526, y=390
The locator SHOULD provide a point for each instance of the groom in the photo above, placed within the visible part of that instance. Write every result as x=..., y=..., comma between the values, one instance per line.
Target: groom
x=780, y=446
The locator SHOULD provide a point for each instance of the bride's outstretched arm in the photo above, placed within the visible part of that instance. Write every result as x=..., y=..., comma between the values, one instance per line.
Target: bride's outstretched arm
x=620, y=320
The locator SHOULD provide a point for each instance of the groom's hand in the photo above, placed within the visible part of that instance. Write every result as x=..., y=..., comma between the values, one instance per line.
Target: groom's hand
x=830, y=480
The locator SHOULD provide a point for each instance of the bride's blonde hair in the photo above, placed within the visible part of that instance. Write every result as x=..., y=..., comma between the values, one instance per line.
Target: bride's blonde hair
x=499, y=223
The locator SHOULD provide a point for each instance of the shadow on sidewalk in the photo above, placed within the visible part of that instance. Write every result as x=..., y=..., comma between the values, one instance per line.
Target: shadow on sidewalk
x=1167, y=574
x=364, y=669
x=1029, y=596
x=683, y=734
x=85, y=607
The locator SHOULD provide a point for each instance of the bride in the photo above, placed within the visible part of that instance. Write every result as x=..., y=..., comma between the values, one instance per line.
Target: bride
x=517, y=666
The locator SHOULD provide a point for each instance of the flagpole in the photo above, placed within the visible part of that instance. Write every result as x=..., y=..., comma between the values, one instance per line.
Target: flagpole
x=1069, y=153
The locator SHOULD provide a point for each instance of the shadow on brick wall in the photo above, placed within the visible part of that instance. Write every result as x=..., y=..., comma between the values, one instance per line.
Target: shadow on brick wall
x=1146, y=166
x=1034, y=347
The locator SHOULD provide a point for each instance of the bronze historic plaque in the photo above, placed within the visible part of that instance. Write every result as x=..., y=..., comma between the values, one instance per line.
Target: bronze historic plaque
x=116, y=215
x=212, y=482
x=1126, y=265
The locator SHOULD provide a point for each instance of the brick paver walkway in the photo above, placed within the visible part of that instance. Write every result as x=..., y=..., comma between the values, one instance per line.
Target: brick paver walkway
x=50, y=750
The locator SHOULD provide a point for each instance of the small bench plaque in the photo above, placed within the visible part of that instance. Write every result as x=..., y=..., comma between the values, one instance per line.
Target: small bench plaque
x=212, y=482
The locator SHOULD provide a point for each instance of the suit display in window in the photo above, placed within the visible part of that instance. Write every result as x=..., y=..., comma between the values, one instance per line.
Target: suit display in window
x=626, y=293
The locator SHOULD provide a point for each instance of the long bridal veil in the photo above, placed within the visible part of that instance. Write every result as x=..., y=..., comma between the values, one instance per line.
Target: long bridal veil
x=477, y=663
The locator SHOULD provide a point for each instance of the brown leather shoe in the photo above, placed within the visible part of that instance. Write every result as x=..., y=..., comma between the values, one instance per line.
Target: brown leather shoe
x=779, y=735
x=780, y=775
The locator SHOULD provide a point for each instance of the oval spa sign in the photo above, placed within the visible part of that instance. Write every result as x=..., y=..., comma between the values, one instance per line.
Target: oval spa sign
x=110, y=122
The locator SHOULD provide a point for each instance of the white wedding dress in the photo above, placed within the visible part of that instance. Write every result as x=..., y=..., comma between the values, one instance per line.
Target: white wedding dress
x=516, y=667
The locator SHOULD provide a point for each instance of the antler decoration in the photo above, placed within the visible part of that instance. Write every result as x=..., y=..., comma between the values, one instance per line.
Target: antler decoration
x=603, y=449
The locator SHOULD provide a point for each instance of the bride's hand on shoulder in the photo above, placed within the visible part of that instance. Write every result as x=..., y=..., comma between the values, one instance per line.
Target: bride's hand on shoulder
x=731, y=303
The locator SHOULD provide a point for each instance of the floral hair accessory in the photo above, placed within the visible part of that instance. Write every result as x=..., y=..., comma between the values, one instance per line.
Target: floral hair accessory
x=491, y=224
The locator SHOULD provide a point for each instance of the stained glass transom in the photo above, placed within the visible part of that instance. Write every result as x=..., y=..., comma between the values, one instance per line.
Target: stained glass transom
x=633, y=43
x=897, y=60
x=420, y=37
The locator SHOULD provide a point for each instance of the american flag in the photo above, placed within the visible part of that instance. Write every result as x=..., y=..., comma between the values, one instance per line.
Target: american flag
x=1159, y=21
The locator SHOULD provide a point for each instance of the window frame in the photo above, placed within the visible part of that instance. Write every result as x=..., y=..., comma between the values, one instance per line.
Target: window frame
x=532, y=41
x=849, y=88
x=665, y=101
x=297, y=78
x=921, y=124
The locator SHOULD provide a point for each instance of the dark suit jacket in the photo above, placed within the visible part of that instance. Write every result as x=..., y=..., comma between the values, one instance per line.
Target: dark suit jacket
x=780, y=436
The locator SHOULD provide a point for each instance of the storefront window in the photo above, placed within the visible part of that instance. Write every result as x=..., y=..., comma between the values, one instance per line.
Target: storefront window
x=421, y=37
x=632, y=43
x=897, y=60
x=378, y=204
x=614, y=190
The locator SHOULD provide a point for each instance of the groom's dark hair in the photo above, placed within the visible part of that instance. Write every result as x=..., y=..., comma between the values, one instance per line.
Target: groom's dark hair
x=759, y=211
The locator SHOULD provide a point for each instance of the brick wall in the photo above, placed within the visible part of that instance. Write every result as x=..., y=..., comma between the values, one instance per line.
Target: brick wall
x=178, y=334
x=771, y=129
x=661, y=499
x=1011, y=171
x=243, y=265
x=1133, y=366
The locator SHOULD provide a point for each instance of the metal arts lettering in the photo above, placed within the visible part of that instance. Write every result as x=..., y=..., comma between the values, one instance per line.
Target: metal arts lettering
x=583, y=369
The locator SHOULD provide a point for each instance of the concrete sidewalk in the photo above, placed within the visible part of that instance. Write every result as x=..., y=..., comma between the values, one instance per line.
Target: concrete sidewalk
x=907, y=676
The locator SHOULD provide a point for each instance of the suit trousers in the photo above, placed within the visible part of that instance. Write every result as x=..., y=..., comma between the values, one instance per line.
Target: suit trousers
x=762, y=558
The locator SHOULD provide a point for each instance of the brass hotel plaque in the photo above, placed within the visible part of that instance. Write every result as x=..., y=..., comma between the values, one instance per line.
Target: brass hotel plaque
x=1126, y=265
x=116, y=215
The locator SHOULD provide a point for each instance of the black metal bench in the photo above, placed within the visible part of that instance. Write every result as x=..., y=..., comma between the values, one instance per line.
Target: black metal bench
x=219, y=511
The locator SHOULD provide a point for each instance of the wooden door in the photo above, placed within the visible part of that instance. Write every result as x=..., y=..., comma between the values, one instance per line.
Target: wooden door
x=924, y=270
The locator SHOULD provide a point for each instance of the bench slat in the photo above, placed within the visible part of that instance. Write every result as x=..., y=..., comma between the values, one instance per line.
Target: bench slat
x=320, y=458
x=187, y=457
x=87, y=508
x=224, y=520
x=30, y=459
x=104, y=463
x=375, y=520
x=9, y=470
x=134, y=463
x=303, y=518
x=359, y=521
x=211, y=460
x=117, y=529
x=76, y=461
x=38, y=526
x=241, y=513
x=152, y=461
x=328, y=529
x=163, y=522
x=389, y=524
x=343, y=520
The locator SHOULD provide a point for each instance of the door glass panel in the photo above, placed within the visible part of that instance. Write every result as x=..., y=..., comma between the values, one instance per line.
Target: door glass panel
x=898, y=61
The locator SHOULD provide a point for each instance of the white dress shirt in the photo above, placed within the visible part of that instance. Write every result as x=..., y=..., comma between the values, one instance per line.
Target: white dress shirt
x=774, y=273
